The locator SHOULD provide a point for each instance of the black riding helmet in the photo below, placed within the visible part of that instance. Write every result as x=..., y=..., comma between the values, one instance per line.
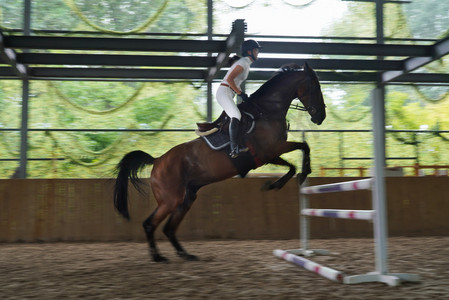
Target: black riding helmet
x=249, y=45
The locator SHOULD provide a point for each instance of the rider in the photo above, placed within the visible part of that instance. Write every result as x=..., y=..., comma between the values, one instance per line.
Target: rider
x=230, y=86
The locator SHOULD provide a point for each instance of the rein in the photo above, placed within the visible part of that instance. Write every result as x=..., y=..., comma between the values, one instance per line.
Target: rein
x=298, y=107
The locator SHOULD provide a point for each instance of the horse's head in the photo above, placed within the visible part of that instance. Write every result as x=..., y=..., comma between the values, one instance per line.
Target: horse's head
x=290, y=82
x=311, y=97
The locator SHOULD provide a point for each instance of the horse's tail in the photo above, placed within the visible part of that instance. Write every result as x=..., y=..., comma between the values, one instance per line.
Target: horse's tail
x=129, y=167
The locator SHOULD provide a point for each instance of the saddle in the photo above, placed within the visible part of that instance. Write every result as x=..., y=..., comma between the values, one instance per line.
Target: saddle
x=222, y=124
x=216, y=136
x=207, y=128
x=216, y=133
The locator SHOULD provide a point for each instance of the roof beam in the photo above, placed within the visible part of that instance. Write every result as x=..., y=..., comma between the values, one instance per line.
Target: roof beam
x=107, y=73
x=332, y=64
x=113, y=44
x=346, y=49
x=115, y=60
x=366, y=77
x=43, y=73
x=438, y=50
x=199, y=61
x=9, y=56
x=233, y=41
x=171, y=45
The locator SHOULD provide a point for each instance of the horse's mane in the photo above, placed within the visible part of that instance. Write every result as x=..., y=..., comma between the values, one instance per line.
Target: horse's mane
x=276, y=77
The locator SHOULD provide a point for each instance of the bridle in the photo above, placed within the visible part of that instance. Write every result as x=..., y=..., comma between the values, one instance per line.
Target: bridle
x=310, y=108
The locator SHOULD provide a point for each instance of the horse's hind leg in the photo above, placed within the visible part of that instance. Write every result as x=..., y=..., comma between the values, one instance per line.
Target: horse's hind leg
x=150, y=225
x=175, y=219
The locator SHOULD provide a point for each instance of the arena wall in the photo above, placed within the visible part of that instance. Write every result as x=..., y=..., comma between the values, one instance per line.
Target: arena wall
x=82, y=210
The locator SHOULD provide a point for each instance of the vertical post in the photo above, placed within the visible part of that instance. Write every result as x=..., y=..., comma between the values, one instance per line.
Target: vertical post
x=27, y=17
x=24, y=131
x=416, y=151
x=209, y=102
x=341, y=149
x=210, y=18
x=380, y=21
x=380, y=39
x=304, y=227
x=25, y=97
x=379, y=201
x=378, y=198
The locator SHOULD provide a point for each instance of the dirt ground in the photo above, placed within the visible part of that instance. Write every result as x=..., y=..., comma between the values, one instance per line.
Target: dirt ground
x=226, y=270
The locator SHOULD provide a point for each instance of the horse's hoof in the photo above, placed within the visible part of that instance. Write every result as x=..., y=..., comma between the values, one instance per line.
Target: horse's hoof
x=159, y=258
x=187, y=256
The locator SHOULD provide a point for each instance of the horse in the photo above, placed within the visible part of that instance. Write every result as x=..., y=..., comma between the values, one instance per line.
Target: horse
x=178, y=174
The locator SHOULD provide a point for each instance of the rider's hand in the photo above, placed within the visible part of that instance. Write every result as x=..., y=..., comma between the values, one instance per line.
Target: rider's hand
x=244, y=96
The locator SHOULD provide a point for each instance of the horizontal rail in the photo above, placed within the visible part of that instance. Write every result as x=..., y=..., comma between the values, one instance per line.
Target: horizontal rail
x=363, y=184
x=326, y=272
x=339, y=213
x=369, y=158
x=31, y=159
x=291, y=130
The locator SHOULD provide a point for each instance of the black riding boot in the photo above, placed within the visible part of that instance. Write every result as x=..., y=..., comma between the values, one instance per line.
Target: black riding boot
x=236, y=149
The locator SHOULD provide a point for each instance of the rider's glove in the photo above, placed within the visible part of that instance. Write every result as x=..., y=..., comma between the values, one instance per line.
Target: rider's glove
x=244, y=96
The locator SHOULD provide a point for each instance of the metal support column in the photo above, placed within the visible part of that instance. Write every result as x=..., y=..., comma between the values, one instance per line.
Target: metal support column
x=378, y=198
x=25, y=97
x=381, y=40
x=210, y=18
x=24, y=131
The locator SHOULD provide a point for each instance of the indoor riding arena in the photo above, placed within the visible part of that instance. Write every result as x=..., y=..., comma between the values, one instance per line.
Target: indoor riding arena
x=63, y=239
x=342, y=192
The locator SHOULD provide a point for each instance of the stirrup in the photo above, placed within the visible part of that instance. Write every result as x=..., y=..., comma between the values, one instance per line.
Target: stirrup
x=237, y=151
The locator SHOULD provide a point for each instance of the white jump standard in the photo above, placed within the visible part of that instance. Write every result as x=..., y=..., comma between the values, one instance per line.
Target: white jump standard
x=376, y=216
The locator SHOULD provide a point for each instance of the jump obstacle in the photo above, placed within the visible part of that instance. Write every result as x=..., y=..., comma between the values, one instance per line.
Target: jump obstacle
x=378, y=217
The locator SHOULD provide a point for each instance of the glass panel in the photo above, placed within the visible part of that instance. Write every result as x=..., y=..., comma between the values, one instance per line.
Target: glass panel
x=288, y=17
x=11, y=14
x=10, y=112
x=121, y=17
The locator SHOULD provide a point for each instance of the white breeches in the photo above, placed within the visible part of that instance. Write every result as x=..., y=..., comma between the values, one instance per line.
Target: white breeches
x=225, y=97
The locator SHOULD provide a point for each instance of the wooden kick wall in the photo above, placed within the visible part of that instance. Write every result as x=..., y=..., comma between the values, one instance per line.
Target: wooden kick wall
x=82, y=210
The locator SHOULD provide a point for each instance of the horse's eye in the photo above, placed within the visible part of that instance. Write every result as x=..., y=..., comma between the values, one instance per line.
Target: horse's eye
x=312, y=110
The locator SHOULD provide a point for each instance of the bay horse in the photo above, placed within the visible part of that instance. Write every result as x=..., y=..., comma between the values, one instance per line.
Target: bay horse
x=178, y=174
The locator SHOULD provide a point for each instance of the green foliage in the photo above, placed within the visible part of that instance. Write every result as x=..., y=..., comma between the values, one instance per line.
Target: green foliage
x=134, y=105
x=97, y=96
x=362, y=14
x=428, y=19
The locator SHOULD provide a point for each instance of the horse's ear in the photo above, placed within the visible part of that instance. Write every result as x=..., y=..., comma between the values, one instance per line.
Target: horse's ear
x=306, y=67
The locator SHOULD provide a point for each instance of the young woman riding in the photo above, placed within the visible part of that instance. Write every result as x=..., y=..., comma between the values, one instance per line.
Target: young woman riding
x=230, y=86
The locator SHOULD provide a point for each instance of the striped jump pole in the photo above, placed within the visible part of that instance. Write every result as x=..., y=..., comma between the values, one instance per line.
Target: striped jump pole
x=363, y=184
x=326, y=272
x=339, y=213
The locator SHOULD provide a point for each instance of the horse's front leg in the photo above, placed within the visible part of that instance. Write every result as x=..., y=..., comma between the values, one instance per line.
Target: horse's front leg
x=278, y=184
x=306, y=169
